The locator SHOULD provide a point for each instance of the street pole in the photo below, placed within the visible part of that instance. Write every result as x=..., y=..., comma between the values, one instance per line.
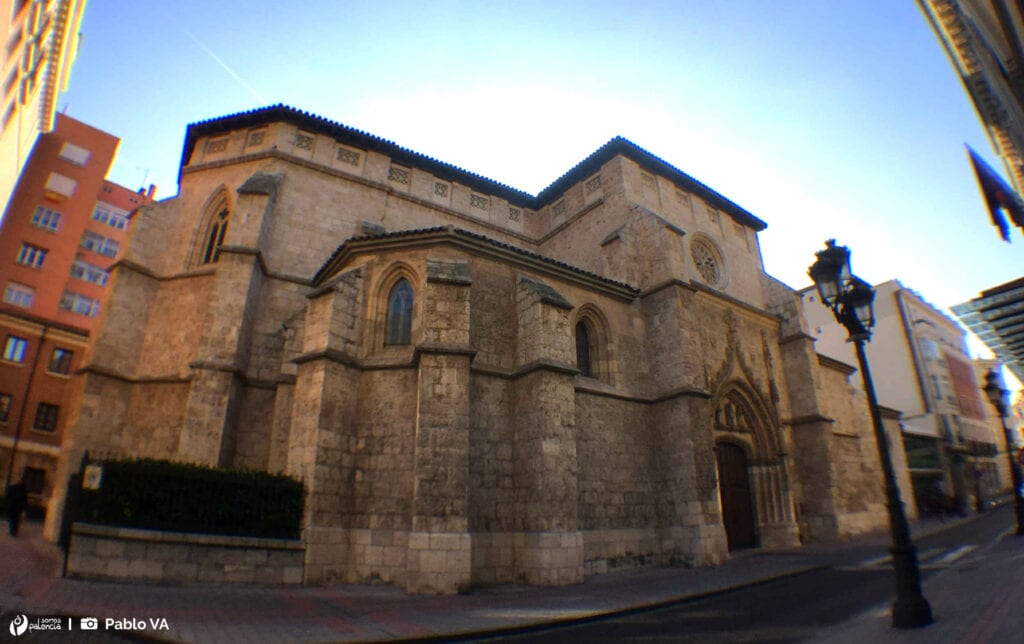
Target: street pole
x=1018, y=500
x=911, y=609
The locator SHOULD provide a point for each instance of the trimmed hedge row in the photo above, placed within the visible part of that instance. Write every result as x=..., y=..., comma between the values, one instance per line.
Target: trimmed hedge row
x=180, y=497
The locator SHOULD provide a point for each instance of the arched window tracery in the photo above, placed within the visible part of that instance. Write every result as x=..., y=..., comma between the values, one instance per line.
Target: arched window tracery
x=214, y=238
x=398, y=321
x=584, y=356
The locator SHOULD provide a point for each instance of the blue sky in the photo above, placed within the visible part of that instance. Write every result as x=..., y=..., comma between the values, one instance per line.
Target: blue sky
x=823, y=118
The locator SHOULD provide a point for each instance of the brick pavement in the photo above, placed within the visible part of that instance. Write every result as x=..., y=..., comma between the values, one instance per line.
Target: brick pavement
x=29, y=583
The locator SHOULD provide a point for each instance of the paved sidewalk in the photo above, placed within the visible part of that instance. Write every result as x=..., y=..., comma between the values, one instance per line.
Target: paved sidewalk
x=977, y=602
x=30, y=584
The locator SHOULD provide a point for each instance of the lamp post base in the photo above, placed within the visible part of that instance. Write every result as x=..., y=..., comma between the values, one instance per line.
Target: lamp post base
x=911, y=609
x=911, y=612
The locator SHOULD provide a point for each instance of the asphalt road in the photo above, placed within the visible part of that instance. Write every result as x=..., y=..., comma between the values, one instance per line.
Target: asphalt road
x=788, y=610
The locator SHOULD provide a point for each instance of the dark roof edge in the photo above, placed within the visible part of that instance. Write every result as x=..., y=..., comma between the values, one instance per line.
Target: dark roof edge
x=453, y=232
x=443, y=170
x=655, y=164
x=351, y=136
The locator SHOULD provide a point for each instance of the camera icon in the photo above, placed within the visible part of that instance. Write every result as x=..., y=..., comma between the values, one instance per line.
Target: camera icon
x=89, y=623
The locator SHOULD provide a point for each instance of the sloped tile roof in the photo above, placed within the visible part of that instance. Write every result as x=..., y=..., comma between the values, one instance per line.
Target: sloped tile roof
x=447, y=171
x=453, y=232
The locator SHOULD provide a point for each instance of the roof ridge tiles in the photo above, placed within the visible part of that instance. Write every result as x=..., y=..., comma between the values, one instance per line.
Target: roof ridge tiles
x=457, y=232
x=592, y=163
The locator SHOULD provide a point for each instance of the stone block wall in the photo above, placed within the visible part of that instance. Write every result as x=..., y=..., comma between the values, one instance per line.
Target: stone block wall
x=169, y=348
x=128, y=554
x=476, y=453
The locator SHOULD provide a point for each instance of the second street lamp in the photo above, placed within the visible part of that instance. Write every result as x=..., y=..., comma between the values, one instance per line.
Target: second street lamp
x=997, y=396
x=850, y=299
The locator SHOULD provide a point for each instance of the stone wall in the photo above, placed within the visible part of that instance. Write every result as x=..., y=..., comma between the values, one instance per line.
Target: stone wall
x=477, y=452
x=128, y=554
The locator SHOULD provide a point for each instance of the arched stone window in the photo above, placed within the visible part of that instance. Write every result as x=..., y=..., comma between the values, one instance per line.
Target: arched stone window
x=212, y=229
x=584, y=357
x=398, y=322
x=594, y=350
x=214, y=238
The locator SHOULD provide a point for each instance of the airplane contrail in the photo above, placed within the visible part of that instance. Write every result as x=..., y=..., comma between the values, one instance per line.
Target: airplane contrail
x=216, y=58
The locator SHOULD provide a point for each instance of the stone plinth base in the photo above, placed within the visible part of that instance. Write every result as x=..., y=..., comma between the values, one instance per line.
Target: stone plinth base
x=778, y=535
x=694, y=545
x=104, y=552
x=620, y=549
x=438, y=562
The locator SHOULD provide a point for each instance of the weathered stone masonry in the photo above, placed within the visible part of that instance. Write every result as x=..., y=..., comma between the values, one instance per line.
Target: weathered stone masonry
x=475, y=451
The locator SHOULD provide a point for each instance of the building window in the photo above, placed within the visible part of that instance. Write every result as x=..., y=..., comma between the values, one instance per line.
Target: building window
x=217, y=145
x=60, y=362
x=87, y=272
x=46, y=417
x=583, y=355
x=80, y=304
x=31, y=256
x=255, y=137
x=350, y=157
x=111, y=216
x=14, y=349
x=708, y=261
x=215, y=237
x=304, y=141
x=398, y=324
x=59, y=187
x=398, y=174
x=19, y=295
x=74, y=154
x=5, y=407
x=34, y=480
x=46, y=219
x=100, y=244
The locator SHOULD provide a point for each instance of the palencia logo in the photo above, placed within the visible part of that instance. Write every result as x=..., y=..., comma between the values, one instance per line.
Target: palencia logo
x=19, y=625
x=133, y=624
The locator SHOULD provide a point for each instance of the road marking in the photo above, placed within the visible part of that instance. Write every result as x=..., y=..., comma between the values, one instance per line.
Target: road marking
x=886, y=560
x=928, y=554
x=957, y=553
x=876, y=561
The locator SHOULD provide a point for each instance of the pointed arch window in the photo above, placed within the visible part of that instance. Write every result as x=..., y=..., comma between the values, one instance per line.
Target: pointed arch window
x=215, y=237
x=398, y=323
x=583, y=351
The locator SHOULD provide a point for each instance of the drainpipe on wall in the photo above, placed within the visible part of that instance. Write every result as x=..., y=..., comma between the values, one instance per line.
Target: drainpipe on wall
x=24, y=406
x=951, y=470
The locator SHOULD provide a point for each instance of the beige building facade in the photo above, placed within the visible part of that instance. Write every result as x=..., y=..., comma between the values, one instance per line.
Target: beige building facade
x=922, y=370
x=476, y=385
x=40, y=43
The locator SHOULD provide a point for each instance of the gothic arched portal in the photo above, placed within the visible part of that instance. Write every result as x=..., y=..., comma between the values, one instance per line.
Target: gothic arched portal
x=751, y=472
x=734, y=488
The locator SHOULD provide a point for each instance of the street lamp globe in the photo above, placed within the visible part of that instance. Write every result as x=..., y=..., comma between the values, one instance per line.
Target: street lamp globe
x=996, y=394
x=831, y=272
x=859, y=302
x=851, y=301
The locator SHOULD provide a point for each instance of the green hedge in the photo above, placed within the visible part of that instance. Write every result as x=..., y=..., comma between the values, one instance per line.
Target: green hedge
x=179, y=497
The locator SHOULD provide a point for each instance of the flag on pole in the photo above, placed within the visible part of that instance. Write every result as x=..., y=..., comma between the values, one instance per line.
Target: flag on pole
x=999, y=196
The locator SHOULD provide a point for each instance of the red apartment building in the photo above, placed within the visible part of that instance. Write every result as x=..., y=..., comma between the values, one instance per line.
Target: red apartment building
x=65, y=224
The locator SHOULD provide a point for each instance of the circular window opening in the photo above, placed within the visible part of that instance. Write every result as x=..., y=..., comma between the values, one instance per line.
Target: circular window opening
x=708, y=261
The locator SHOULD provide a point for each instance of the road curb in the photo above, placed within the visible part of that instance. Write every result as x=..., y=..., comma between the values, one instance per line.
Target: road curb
x=612, y=613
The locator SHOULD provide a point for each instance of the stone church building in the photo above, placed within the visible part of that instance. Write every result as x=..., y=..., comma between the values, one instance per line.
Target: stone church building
x=477, y=385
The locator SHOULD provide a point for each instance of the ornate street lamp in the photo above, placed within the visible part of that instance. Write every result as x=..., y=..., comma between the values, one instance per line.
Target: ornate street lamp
x=997, y=396
x=851, y=301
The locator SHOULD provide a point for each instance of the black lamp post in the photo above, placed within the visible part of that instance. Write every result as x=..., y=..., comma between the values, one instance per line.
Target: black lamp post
x=997, y=396
x=851, y=301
